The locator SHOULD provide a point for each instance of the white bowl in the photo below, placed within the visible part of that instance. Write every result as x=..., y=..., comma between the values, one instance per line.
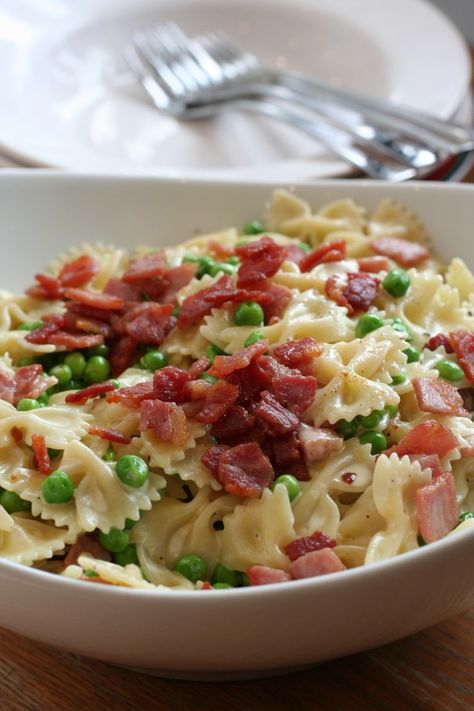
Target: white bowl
x=243, y=632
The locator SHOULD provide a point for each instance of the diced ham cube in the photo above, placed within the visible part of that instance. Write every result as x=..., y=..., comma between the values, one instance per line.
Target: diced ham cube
x=408, y=254
x=316, y=563
x=439, y=397
x=429, y=437
x=318, y=443
x=437, y=508
x=264, y=575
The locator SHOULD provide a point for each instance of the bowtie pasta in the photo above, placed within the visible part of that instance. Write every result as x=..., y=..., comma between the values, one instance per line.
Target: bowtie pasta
x=252, y=406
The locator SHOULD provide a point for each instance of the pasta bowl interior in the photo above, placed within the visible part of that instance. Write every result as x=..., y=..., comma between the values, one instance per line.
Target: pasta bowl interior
x=251, y=451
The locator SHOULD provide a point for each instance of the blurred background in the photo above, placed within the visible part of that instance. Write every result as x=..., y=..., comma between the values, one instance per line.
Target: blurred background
x=462, y=13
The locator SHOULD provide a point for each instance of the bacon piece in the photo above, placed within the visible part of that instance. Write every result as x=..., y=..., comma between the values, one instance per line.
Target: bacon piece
x=235, y=422
x=408, y=254
x=16, y=433
x=42, y=334
x=133, y=395
x=166, y=419
x=244, y=470
x=98, y=300
x=75, y=341
x=219, y=249
x=286, y=450
x=315, y=542
x=169, y=384
x=78, y=309
x=361, y=290
x=198, y=367
x=438, y=397
x=127, y=292
x=281, y=298
x=81, y=396
x=30, y=383
x=428, y=461
x=441, y=339
x=109, y=434
x=152, y=324
x=297, y=353
x=86, y=544
x=329, y=252
x=260, y=259
x=175, y=279
x=429, y=437
x=210, y=400
x=93, y=326
x=41, y=456
x=264, y=575
x=334, y=288
x=146, y=267
x=296, y=392
x=211, y=457
x=7, y=388
x=122, y=354
x=224, y=365
x=79, y=271
x=48, y=287
x=373, y=265
x=278, y=417
x=316, y=563
x=318, y=443
x=437, y=508
x=463, y=343
x=295, y=254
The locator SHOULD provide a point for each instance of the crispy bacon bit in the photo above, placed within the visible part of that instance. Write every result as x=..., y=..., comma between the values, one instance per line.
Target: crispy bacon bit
x=281, y=298
x=27, y=382
x=438, y=397
x=295, y=254
x=428, y=461
x=260, y=260
x=81, y=396
x=133, y=395
x=373, y=265
x=429, y=437
x=264, y=575
x=278, y=417
x=244, y=470
x=146, y=267
x=98, y=300
x=152, y=323
x=315, y=542
x=198, y=367
x=109, y=434
x=296, y=392
x=75, y=341
x=441, y=339
x=210, y=401
x=41, y=456
x=463, y=343
x=127, y=292
x=334, y=288
x=348, y=477
x=219, y=249
x=408, y=254
x=437, y=508
x=86, y=544
x=361, y=290
x=224, y=365
x=286, y=450
x=233, y=423
x=211, y=457
x=16, y=433
x=169, y=384
x=175, y=279
x=7, y=388
x=166, y=419
x=316, y=563
x=318, y=443
x=79, y=271
x=121, y=354
x=48, y=287
x=297, y=353
x=42, y=334
x=325, y=253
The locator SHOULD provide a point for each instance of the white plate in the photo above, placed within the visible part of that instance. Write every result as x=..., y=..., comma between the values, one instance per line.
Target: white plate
x=252, y=631
x=68, y=99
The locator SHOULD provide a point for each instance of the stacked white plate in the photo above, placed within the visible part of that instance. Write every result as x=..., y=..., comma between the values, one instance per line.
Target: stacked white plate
x=69, y=101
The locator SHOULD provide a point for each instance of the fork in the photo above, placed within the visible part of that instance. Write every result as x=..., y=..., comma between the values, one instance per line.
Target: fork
x=187, y=78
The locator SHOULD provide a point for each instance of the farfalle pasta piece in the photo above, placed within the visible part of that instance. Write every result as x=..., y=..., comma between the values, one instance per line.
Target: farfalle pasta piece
x=393, y=218
x=26, y=540
x=59, y=425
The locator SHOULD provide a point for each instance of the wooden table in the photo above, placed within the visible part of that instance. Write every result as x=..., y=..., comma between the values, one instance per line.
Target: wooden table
x=432, y=670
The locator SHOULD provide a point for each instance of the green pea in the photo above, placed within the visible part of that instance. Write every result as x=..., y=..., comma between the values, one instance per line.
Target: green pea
x=102, y=350
x=208, y=378
x=29, y=326
x=57, y=488
x=43, y=399
x=412, y=354
x=76, y=362
x=190, y=258
x=109, y=455
x=205, y=265
x=27, y=403
x=397, y=282
x=243, y=581
x=449, y=370
x=129, y=523
x=366, y=324
x=290, y=483
x=391, y=409
x=176, y=311
x=191, y=567
x=376, y=439
x=398, y=379
x=305, y=246
x=90, y=573
x=346, y=428
x=62, y=372
x=212, y=350
x=132, y=470
x=253, y=338
x=114, y=541
x=73, y=385
x=223, y=575
x=233, y=259
x=467, y=516
x=222, y=586
x=127, y=556
x=253, y=227
x=154, y=360
x=12, y=503
x=248, y=313
x=25, y=360
x=53, y=453
x=223, y=267
x=97, y=369
x=421, y=540
x=368, y=422
x=401, y=327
